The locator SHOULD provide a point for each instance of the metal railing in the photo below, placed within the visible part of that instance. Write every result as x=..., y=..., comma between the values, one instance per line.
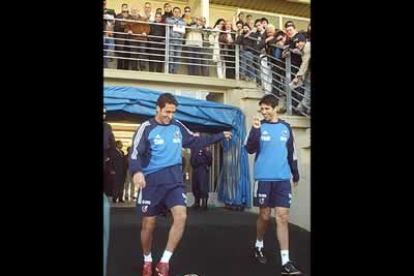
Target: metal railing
x=274, y=76
x=171, y=53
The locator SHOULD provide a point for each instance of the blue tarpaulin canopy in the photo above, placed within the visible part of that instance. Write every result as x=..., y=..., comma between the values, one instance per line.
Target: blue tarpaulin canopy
x=234, y=179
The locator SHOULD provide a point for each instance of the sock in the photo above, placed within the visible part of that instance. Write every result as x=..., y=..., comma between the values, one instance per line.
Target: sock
x=148, y=258
x=285, y=256
x=166, y=256
x=259, y=244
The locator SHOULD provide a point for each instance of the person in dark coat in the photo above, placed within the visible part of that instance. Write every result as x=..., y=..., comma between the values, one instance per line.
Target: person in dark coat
x=201, y=161
x=120, y=173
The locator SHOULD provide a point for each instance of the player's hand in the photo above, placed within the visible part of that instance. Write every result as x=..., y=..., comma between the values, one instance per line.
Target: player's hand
x=256, y=122
x=227, y=134
x=295, y=184
x=139, y=180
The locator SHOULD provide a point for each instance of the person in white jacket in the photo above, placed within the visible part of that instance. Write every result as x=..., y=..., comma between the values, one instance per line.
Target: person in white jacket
x=194, y=43
x=217, y=58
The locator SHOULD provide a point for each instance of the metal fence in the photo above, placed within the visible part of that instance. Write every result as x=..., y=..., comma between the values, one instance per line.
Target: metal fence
x=202, y=52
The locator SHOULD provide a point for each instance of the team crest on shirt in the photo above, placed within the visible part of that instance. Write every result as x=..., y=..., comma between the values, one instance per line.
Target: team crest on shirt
x=158, y=140
x=262, y=198
x=284, y=135
x=265, y=136
x=177, y=139
x=144, y=208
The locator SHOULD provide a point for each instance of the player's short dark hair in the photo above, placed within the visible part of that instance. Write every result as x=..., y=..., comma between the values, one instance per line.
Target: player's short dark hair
x=166, y=98
x=257, y=20
x=269, y=99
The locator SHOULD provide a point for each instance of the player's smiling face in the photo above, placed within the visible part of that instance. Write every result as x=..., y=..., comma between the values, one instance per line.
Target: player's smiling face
x=268, y=112
x=165, y=114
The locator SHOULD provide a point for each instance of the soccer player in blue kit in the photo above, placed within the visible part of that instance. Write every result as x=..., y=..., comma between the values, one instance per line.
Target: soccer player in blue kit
x=155, y=167
x=275, y=163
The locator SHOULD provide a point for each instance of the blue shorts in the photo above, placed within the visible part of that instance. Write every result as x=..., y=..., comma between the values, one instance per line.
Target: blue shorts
x=272, y=194
x=154, y=198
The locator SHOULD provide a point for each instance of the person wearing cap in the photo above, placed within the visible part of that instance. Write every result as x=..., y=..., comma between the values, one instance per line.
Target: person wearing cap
x=304, y=73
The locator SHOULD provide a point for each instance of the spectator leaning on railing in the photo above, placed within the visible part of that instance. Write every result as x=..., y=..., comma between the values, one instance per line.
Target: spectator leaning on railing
x=277, y=46
x=194, y=43
x=138, y=31
x=257, y=37
x=109, y=43
x=159, y=40
x=266, y=73
x=177, y=32
x=246, y=54
x=207, y=49
x=228, y=39
x=217, y=56
x=295, y=58
x=304, y=73
x=122, y=45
